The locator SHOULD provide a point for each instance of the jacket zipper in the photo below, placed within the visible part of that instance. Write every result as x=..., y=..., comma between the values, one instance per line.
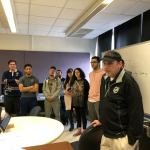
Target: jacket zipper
x=118, y=107
x=108, y=89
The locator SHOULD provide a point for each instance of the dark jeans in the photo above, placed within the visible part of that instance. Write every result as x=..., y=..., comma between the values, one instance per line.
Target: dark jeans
x=63, y=112
x=27, y=102
x=11, y=102
x=70, y=114
x=80, y=113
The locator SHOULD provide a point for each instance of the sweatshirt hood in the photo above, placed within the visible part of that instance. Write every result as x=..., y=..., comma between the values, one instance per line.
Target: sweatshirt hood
x=54, y=78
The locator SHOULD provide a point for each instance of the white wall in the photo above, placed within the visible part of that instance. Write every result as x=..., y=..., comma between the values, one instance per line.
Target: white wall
x=41, y=43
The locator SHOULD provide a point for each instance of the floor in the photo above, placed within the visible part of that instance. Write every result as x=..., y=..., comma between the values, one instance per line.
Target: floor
x=68, y=136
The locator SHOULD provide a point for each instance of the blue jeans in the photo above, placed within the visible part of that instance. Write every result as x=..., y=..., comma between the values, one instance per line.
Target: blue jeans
x=27, y=102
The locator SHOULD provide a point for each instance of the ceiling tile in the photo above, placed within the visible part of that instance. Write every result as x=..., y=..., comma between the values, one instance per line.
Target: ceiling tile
x=146, y=1
x=108, y=26
x=41, y=20
x=22, y=1
x=23, y=32
x=98, y=32
x=39, y=27
x=103, y=17
x=92, y=36
x=40, y=33
x=19, y=32
x=71, y=14
x=118, y=6
x=121, y=19
x=9, y=32
x=55, y=3
x=63, y=22
x=92, y=25
x=22, y=9
x=22, y=26
x=1, y=25
x=2, y=30
x=117, y=21
x=22, y=19
x=37, y=10
x=138, y=9
x=1, y=8
x=58, y=29
x=135, y=0
x=56, y=34
x=80, y=4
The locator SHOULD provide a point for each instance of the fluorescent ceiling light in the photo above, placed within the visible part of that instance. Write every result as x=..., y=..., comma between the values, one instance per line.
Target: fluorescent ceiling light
x=107, y=1
x=9, y=14
x=92, y=12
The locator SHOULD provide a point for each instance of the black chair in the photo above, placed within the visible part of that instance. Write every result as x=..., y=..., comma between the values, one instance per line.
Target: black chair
x=35, y=111
x=90, y=139
x=0, y=113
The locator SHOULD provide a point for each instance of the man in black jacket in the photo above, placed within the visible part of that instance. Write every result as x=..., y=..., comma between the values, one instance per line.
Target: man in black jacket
x=121, y=108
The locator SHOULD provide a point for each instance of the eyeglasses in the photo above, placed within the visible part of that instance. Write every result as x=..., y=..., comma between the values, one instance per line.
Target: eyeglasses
x=94, y=62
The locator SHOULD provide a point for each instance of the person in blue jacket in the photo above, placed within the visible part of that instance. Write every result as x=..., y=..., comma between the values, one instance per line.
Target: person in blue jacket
x=12, y=94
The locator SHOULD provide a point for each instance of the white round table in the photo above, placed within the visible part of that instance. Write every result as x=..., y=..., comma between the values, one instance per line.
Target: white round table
x=31, y=131
x=3, y=113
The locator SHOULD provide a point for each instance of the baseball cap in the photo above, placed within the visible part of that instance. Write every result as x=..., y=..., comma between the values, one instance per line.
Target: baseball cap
x=112, y=56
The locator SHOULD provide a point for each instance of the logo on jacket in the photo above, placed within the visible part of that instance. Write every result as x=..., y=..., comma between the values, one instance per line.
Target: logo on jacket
x=17, y=73
x=116, y=89
x=32, y=80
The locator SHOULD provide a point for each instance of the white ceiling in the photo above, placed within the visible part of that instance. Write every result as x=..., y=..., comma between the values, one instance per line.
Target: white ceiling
x=55, y=17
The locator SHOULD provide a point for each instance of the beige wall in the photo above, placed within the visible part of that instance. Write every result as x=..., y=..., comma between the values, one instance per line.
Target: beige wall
x=41, y=43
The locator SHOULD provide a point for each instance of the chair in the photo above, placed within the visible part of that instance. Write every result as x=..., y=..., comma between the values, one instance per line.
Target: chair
x=35, y=111
x=90, y=139
x=0, y=113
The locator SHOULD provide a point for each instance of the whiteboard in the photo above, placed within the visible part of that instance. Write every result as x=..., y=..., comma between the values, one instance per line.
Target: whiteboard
x=137, y=60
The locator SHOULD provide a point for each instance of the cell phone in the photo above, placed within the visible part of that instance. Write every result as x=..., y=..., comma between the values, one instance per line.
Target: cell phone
x=69, y=90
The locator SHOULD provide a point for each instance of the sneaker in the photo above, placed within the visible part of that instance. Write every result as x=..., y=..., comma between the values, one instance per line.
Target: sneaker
x=77, y=133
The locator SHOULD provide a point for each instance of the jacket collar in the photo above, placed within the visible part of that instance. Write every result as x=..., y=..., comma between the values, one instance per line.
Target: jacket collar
x=119, y=78
x=56, y=78
x=14, y=71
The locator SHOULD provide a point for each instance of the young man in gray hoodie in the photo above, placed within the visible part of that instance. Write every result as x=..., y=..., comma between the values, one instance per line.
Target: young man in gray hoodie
x=51, y=89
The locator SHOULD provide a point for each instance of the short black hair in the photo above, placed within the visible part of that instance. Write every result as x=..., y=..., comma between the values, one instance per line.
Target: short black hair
x=122, y=61
x=96, y=57
x=53, y=67
x=27, y=65
x=11, y=61
x=60, y=71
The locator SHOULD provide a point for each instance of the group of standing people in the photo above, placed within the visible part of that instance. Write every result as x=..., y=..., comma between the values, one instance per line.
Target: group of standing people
x=19, y=91
x=82, y=97
x=113, y=98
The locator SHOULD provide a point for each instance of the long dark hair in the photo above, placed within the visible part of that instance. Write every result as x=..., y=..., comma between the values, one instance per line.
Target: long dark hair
x=67, y=77
x=82, y=75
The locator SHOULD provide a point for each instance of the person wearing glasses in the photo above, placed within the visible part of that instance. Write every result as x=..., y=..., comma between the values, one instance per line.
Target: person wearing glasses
x=52, y=87
x=94, y=93
x=12, y=94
